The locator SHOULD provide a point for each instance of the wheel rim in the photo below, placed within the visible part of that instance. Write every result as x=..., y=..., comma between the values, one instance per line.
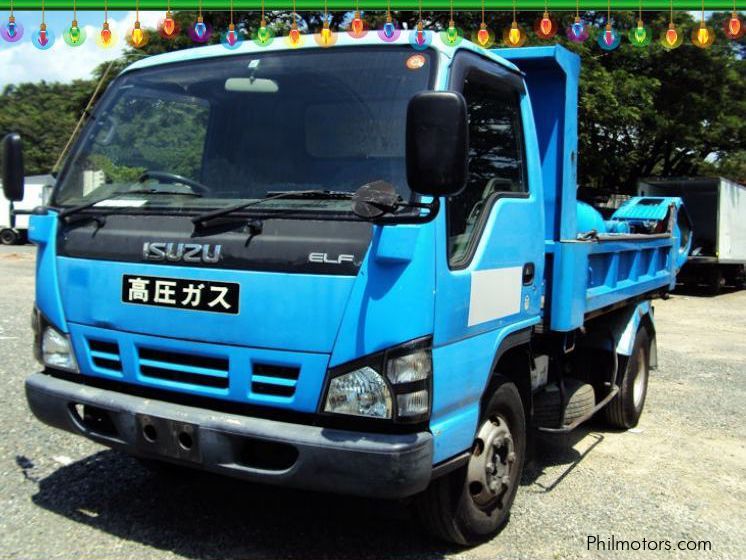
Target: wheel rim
x=492, y=463
x=638, y=388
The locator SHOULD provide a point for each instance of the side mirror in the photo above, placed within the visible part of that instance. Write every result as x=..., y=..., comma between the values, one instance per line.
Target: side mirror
x=13, y=167
x=437, y=143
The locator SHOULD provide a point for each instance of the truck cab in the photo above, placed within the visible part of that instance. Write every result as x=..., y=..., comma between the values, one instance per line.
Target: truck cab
x=360, y=269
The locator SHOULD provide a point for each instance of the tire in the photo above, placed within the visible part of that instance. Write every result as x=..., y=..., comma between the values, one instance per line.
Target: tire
x=459, y=507
x=716, y=281
x=547, y=406
x=625, y=409
x=9, y=237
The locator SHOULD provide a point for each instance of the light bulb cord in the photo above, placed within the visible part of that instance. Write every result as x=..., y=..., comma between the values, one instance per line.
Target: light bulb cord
x=482, y=11
x=514, y=21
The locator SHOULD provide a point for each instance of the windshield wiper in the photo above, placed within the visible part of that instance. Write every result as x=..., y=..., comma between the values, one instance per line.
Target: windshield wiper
x=203, y=220
x=85, y=206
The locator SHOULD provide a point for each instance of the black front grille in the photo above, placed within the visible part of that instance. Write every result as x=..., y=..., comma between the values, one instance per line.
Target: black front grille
x=105, y=354
x=195, y=369
x=268, y=379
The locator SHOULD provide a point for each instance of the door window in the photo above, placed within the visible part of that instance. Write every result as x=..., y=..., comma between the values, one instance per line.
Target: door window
x=496, y=159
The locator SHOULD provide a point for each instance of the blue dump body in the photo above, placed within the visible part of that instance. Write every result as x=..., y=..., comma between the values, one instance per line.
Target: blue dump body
x=252, y=388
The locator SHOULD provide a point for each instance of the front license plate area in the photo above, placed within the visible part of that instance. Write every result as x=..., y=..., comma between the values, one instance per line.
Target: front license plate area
x=180, y=293
x=171, y=438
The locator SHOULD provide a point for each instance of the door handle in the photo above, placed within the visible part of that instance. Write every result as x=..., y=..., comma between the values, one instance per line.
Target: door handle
x=529, y=271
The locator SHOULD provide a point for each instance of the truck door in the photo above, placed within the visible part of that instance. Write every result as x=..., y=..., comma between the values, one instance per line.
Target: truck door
x=491, y=263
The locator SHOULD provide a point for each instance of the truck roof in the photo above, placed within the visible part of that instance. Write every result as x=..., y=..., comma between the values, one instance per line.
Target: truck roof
x=280, y=44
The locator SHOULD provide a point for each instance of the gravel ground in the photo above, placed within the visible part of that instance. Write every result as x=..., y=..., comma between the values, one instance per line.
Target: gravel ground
x=679, y=475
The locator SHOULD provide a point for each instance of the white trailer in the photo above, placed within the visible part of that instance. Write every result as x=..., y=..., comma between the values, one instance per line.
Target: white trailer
x=717, y=208
x=14, y=216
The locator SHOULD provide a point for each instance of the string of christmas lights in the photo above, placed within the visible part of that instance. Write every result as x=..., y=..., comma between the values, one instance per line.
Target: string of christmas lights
x=544, y=27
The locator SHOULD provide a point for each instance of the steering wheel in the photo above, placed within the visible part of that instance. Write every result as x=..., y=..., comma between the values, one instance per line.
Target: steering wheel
x=166, y=177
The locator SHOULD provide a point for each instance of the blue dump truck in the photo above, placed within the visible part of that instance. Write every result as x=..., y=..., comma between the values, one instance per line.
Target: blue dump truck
x=360, y=269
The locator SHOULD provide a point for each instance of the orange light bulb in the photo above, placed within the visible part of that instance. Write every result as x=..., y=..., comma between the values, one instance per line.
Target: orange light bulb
x=483, y=36
x=671, y=35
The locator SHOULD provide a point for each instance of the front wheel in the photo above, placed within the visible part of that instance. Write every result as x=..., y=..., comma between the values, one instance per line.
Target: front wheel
x=472, y=504
x=9, y=237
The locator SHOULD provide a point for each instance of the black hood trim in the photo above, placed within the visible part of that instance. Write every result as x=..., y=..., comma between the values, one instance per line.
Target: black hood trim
x=333, y=247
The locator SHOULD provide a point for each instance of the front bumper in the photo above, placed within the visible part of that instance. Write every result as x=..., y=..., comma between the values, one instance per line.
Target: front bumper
x=256, y=449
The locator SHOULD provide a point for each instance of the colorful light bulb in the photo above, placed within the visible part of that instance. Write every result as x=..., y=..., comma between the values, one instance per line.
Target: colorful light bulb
x=11, y=27
x=106, y=34
x=12, y=31
x=671, y=35
x=578, y=27
x=137, y=36
x=733, y=27
x=231, y=37
x=545, y=24
x=262, y=33
x=734, y=24
x=294, y=35
x=608, y=35
x=514, y=35
x=483, y=36
x=388, y=28
x=546, y=27
x=200, y=29
x=609, y=39
x=168, y=27
x=578, y=31
x=75, y=34
x=357, y=25
x=640, y=33
x=420, y=34
x=43, y=37
x=451, y=36
x=326, y=33
x=703, y=35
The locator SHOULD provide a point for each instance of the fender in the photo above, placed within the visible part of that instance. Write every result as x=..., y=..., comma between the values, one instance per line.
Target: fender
x=623, y=325
x=462, y=372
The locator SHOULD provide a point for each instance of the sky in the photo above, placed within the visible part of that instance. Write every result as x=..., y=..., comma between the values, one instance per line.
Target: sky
x=22, y=62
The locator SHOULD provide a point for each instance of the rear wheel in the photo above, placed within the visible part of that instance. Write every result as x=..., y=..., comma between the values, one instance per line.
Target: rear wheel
x=625, y=409
x=472, y=504
x=9, y=236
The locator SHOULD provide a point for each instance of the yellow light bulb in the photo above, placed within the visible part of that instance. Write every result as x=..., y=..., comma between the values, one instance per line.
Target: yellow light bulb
x=326, y=33
x=514, y=35
x=703, y=35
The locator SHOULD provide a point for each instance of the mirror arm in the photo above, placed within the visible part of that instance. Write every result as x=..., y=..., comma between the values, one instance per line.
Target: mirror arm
x=432, y=207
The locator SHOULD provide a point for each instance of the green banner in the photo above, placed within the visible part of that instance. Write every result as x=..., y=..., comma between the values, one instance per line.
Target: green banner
x=344, y=5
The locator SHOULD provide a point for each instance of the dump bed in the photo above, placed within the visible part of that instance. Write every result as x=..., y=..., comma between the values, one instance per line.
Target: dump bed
x=589, y=270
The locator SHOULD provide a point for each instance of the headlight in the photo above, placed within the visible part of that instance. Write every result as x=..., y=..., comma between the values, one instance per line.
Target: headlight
x=362, y=392
x=56, y=350
x=403, y=395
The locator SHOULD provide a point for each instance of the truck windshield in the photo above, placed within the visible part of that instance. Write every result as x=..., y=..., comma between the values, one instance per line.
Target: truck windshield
x=238, y=127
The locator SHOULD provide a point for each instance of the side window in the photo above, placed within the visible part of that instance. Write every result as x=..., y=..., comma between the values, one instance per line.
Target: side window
x=496, y=160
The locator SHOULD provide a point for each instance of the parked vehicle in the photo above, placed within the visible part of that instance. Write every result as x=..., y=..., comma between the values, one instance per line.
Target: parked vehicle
x=371, y=282
x=717, y=208
x=14, y=216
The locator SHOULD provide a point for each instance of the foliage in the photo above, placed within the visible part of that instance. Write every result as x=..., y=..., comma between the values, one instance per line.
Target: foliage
x=641, y=111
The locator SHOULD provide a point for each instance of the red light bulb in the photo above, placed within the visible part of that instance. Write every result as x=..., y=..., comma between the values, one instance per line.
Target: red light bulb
x=43, y=38
x=734, y=25
x=546, y=24
x=294, y=34
x=106, y=33
x=169, y=25
x=357, y=24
